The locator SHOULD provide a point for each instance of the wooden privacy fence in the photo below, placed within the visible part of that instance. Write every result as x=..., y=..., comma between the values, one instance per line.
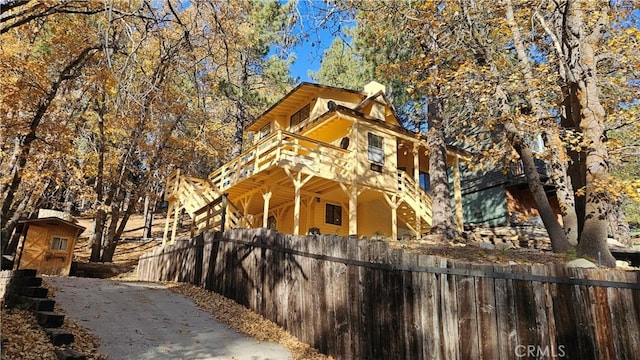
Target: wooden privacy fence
x=356, y=299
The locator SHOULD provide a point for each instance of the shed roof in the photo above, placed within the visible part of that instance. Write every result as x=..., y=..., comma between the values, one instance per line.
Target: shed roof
x=52, y=221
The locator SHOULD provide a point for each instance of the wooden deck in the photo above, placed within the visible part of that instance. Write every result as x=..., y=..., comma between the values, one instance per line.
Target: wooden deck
x=267, y=166
x=284, y=150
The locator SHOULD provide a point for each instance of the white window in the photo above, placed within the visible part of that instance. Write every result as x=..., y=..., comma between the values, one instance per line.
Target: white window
x=59, y=243
x=376, y=148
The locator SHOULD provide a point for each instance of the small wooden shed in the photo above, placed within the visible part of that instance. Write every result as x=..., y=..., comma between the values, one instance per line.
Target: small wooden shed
x=48, y=245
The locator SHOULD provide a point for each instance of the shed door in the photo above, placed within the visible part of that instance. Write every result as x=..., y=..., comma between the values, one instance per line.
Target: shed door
x=34, y=247
x=56, y=256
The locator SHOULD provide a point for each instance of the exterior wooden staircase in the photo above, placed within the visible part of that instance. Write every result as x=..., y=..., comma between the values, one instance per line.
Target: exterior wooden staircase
x=207, y=207
x=414, y=199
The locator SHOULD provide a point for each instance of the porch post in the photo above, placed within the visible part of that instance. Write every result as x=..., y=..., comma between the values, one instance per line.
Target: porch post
x=176, y=213
x=416, y=164
x=265, y=210
x=394, y=202
x=166, y=223
x=298, y=183
x=457, y=193
x=296, y=209
x=352, y=193
x=353, y=210
x=353, y=189
x=416, y=179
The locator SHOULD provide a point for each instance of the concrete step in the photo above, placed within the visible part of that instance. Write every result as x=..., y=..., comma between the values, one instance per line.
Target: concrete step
x=70, y=354
x=36, y=304
x=49, y=319
x=59, y=337
x=33, y=291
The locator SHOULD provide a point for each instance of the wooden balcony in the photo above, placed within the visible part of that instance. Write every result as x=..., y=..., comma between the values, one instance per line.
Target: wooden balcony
x=285, y=150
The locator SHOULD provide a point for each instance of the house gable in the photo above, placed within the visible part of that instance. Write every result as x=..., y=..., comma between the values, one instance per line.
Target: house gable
x=311, y=103
x=317, y=97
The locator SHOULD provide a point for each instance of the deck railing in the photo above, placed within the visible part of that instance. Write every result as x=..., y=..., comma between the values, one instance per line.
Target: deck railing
x=283, y=148
x=413, y=195
x=216, y=215
x=517, y=168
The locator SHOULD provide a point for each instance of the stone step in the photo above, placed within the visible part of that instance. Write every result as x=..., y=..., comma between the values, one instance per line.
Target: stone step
x=70, y=354
x=59, y=337
x=33, y=291
x=36, y=304
x=26, y=281
x=49, y=319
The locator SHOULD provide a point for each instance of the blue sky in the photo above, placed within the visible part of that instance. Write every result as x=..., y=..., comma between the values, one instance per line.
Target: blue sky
x=316, y=30
x=308, y=57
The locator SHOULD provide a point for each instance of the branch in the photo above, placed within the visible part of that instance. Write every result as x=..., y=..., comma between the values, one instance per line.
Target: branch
x=12, y=4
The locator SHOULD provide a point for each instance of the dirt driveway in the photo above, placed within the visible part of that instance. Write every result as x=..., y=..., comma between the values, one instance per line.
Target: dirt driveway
x=137, y=320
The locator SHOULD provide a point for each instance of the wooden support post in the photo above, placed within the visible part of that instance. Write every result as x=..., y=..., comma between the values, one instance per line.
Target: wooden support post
x=176, y=213
x=353, y=210
x=457, y=194
x=416, y=163
x=394, y=203
x=352, y=193
x=298, y=183
x=416, y=179
x=245, y=202
x=166, y=223
x=265, y=210
x=223, y=213
x=296, y=211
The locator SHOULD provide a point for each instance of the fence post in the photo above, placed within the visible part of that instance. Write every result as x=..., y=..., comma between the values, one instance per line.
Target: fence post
x=223, y=214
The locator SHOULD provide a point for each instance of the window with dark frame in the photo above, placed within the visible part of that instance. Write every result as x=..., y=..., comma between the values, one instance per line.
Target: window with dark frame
x=265, y=130
x=300, y=115
x=425, y=181
x=376, y=148
x=333, y=214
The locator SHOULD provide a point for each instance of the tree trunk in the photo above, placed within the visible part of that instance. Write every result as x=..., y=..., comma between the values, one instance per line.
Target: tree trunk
x=238, y=133
x=582, y=64
x=558, y=173
x=576, y=169
x=96, y=236
x=25, y=206
x=562, y=182
x=149, y=206
x=111, y=241
x=559, y=242
x=442, y=220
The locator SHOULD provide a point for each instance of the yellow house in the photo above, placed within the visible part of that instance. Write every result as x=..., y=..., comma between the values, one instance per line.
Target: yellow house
x=324, y=160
